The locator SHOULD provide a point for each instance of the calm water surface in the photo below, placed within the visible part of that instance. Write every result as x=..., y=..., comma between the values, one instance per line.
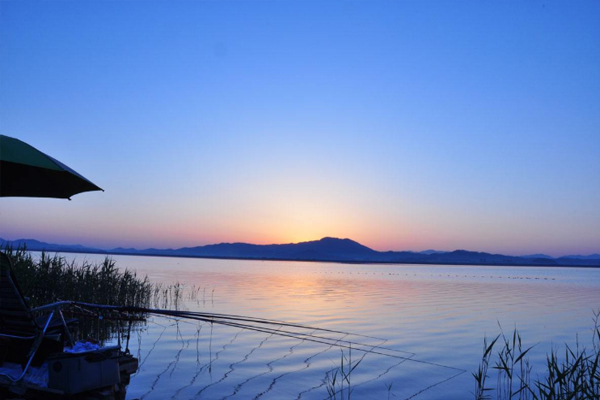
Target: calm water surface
x=427, y=321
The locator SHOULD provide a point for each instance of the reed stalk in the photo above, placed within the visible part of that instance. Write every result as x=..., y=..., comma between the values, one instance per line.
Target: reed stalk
x=53, y=278
x=49, y=279
x=338, y=380
x=575, y=376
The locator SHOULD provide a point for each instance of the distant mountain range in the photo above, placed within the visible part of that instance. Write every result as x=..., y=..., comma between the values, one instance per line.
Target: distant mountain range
x=326, y=249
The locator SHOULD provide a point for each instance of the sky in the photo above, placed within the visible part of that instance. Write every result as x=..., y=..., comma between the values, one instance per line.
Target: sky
x=402, y=125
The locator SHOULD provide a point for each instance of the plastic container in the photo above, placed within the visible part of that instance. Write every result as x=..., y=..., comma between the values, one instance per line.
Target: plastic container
x=75, y=373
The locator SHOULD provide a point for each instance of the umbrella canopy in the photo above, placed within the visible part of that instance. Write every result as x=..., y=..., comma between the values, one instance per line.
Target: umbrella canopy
x=27, y=172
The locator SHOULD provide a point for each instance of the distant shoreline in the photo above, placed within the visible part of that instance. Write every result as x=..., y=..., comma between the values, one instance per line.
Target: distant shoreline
x=109, y=253
x=327, y=249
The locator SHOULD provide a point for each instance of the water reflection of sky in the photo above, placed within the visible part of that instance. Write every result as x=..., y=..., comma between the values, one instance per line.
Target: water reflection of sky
x=438, y=313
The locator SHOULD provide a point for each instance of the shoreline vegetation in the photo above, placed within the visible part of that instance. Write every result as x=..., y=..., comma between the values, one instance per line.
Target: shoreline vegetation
x=575, y=375
x=342, y=251
x=48, y=279
x=52, y=278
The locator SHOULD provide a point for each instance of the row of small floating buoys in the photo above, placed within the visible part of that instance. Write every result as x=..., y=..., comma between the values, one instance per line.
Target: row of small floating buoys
x=446, y=275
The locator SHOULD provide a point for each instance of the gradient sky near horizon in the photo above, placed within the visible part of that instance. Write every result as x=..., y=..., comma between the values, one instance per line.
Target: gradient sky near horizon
x=402, y=125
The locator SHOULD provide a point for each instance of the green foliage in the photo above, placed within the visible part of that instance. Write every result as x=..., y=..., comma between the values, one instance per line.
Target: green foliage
x=53, y=278
x=576, y=376
x=338, y=380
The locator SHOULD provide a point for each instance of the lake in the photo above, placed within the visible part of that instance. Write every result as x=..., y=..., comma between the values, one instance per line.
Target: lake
x=422, y=326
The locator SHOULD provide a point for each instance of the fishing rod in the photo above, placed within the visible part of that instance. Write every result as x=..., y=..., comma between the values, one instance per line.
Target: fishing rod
x=242, y=322
x=253, y=324
x=273, y=327
x=207, y=316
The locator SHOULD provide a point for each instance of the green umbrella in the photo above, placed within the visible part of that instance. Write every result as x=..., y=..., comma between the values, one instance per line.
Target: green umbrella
x=27, y=172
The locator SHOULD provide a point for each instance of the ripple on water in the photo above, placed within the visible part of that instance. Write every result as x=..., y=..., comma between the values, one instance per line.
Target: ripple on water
x=430, y=320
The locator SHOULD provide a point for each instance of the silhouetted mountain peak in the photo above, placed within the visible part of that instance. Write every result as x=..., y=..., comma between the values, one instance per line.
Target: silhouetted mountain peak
x=340, y=244
x=330, y=239
x=537, y=256
x=431, y=251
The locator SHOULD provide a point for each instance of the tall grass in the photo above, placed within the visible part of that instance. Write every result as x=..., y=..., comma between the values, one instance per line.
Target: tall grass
x=53, y=278
x=48, y=279
x=338, y=380
x=574, y=376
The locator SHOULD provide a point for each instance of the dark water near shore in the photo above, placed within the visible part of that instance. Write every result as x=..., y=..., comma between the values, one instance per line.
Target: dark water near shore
x=428, y=321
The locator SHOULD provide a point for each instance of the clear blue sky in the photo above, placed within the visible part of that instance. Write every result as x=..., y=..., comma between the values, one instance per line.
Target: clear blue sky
x=403, y=125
